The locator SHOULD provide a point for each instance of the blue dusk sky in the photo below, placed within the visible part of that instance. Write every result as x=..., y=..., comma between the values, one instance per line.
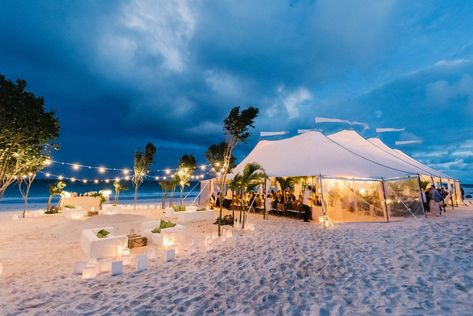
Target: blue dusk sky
x=123, y=73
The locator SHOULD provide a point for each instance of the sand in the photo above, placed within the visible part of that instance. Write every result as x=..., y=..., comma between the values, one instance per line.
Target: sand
x=285, y=267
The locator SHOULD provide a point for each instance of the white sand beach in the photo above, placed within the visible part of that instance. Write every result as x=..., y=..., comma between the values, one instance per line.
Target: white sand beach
x=285, y=266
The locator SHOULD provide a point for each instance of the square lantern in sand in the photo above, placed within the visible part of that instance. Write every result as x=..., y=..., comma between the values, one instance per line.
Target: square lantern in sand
x=79, y=267
x=151, y=252
x=90, y=271
x=105, y=266
x=117, y=267
x=169, y=255
x=141, y=263
x=126, y=256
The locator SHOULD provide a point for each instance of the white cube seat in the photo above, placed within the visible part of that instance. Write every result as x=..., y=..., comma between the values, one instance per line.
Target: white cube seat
x=74, y=213
x=155, y=238
x=192, y=215
x=106, y=247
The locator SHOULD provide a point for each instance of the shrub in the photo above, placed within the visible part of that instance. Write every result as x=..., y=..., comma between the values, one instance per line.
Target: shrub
x=166, y=224
x=69, y=206
x=157, y=230
x=201, y=209
x=179, y=208
x=102, y=233
x=227, y=220
x=52, y=210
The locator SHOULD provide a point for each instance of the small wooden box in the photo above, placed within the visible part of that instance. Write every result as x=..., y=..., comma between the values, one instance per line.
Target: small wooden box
x=135, y=241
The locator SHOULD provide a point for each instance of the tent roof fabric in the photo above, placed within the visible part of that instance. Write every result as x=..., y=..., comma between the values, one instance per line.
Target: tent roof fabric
x=353, y=141
x=426, y=170
x=312, y=154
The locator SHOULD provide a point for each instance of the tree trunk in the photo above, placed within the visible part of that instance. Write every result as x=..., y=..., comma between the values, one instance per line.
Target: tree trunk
x=182, y=195
x=163, y=201
x=49, y=202
x=135, y=198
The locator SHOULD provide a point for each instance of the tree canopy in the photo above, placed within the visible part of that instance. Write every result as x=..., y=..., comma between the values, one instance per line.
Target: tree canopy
x=27, y=131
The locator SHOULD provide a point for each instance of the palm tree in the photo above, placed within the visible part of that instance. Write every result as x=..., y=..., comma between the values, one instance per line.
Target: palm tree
x=286, y=184
x=166, y=186
x=118, y=188
x=55, y=189
x=186, y=168
x=143, y=162
x=253, y=174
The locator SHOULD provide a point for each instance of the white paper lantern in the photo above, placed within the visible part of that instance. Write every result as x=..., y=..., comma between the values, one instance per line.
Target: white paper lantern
x=141, y=263
x=117, y=267
x=89, y=272
x=105, y=265
x=169, y=255
x=151, y=253
x=78, y=267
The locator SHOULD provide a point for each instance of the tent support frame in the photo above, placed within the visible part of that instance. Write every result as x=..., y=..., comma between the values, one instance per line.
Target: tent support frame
x=322, y=200
x=421, y=196
x=386, y=210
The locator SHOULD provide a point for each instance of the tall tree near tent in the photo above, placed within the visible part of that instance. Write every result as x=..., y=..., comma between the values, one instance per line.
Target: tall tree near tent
x=286, y=184
x=27, y=131
x=236, y=186
x=166, y=186
x=143, y=162
x=215, y=156
x=236, y=126
x=185, y=170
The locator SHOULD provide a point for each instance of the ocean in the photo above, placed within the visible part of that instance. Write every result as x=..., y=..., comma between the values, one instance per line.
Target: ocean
x=149, y=192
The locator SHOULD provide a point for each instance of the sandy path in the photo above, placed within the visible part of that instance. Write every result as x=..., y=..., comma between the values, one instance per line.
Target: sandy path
x=284, y=267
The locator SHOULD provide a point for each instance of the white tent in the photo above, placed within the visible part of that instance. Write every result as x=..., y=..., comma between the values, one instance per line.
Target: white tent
x=423, y=169
x=313, y=154
x=353, y=141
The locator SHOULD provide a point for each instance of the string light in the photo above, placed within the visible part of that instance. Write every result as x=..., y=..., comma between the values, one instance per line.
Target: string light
x=73, y=179
x=126, y=171
x=102, y=170
x=96, y=181
x=47, y=174
x=75, y=167
x=60, y=178
x=48, y=162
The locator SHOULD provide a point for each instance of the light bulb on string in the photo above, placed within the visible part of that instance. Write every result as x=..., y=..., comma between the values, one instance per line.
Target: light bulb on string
x=47, y=162
x=101, y=169
x=202, y=167
x=75, y=167
x=126, y=171
x=47, y=174
x=107, y=181
x=117, y=179
x=84, y=181
x=167, y=171
x=73, y=179
x=96, y=181
x=60, y=177
x=156, y=178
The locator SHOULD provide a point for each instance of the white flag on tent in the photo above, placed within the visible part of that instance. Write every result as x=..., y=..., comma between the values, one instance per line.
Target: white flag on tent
x=389, y=129
x=335, y=120
x=408, y=142
x=264, y=134
x=302, y=131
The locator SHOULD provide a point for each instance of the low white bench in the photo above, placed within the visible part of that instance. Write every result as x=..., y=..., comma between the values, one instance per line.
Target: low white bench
x=155, y=238
x=110, y=209
x=74, y=213
x=106, y=247
x=190, y=215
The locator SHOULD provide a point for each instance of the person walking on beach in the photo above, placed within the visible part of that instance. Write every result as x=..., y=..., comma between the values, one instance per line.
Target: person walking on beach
x=434, y=203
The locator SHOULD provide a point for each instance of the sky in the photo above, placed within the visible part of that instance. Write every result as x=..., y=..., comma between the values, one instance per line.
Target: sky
x=120, y=74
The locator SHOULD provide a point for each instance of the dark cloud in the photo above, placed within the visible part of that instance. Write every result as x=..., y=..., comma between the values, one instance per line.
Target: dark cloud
x=123, y=73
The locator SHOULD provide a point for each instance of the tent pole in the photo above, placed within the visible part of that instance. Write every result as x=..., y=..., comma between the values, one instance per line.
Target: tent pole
x=264, y=198
x=386, y=211
x=421, y=196
x=455, y=191
x=324, y=211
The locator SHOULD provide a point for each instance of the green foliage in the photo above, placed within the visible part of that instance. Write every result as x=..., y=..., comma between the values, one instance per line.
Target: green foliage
x=166, y=224
x=201, y=209
x=227, y=220
x=184, y=173
x=143, y=162
x=238, y=122
x=156, y=230
x=69, y=206
x=102, y=233
x=215, y=156
x=118, y=189
x=27, y=132
x=56, y=188
x=179, y=208
x=286, y=183
x=253, y=174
